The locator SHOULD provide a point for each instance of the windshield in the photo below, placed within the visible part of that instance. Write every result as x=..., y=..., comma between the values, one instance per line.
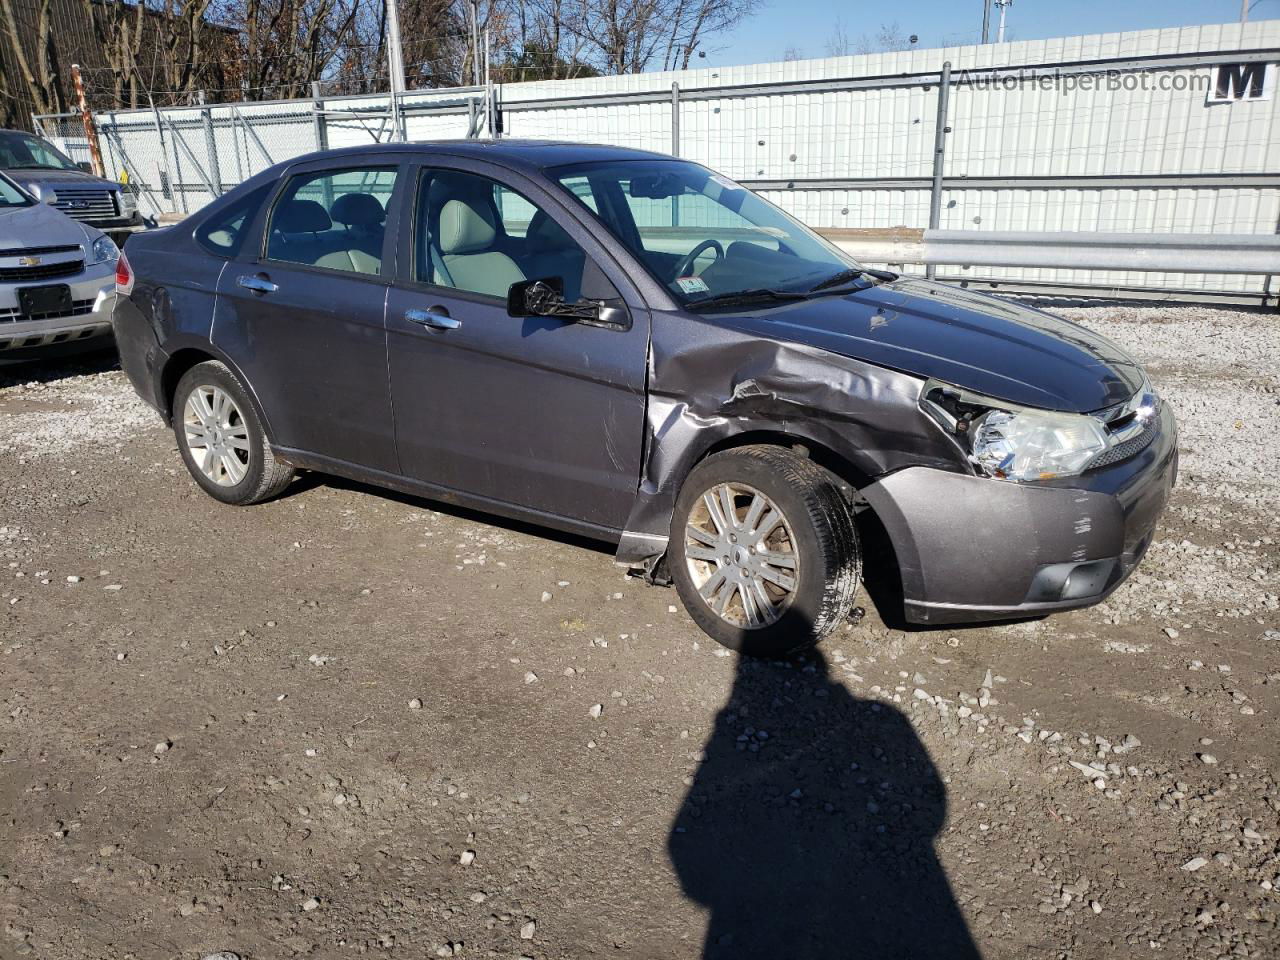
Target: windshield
x=702, y=235
x=22, y=151
x=11, y=196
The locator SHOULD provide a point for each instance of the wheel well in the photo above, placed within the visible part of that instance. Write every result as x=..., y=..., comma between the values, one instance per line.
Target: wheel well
x=178, y=364
x=848, y=477
x=882, y=576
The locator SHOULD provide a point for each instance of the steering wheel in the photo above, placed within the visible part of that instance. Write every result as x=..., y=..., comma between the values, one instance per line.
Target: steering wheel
x=685, y=266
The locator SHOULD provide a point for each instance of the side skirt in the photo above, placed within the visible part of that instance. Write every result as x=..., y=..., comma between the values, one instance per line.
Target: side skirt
x=431, y=491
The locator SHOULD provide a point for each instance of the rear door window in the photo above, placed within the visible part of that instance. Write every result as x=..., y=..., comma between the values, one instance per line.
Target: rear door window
x=333, y=219
x=223, y=233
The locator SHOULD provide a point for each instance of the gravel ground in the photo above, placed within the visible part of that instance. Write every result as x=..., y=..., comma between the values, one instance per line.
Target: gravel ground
x=348, y=722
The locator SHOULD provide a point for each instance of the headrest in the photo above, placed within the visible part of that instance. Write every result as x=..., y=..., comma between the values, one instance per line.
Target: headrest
x=465, y=227
x=546, y=234
x=301, y=216
x=357, y=210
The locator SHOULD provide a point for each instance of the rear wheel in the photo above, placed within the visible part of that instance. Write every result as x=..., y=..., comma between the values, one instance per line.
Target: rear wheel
x=763, y=551
x=221, y=438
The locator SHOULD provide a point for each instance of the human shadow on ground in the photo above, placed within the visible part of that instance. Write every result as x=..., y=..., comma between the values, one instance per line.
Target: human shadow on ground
x=808, y=830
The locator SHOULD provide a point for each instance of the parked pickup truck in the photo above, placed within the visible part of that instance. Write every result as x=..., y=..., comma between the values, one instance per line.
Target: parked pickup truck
x=51, y=177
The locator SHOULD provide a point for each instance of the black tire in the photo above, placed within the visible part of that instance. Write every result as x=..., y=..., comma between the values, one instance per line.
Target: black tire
x=264, y=476
x=822, y=536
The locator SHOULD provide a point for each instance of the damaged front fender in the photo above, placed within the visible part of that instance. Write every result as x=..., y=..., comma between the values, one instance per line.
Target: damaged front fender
x=710, y=383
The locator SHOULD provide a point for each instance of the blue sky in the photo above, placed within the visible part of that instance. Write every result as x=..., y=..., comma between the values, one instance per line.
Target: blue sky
x=806, y=24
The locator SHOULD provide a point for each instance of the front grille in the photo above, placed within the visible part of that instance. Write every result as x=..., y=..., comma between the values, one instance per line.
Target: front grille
x=86, y=203
x=39, y=251
x=1131, y=447
x=45, y=271
x=13, y=315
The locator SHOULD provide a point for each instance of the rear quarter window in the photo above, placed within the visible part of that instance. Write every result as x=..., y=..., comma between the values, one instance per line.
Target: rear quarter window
x=223, y=232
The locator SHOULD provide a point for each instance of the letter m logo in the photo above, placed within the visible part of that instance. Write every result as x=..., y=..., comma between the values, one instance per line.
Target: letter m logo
x=1233, y=82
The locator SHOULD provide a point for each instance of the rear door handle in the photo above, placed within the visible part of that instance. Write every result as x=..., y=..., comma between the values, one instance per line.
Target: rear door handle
x=436, y=318
x=257, y=284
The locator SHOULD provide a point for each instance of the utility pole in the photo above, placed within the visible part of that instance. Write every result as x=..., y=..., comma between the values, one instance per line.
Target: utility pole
x=1244, y=11
x=395, y=68
x=90, y=131
x=475, y=43
x=1003, y=5
x=986, y=21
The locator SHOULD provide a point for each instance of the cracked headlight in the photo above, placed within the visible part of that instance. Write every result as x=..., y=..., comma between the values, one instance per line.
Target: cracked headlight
x=1009, y=442
x=102, y=250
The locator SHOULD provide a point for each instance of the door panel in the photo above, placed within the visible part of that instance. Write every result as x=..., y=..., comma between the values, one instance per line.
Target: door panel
x=538, y=412
x=315, y=351
x=305, y=322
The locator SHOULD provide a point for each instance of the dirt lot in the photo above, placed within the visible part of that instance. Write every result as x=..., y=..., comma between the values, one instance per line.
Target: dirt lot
x=349, y=723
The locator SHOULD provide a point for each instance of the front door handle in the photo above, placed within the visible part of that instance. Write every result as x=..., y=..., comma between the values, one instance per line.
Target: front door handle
x=258, y=284
x=437, y=318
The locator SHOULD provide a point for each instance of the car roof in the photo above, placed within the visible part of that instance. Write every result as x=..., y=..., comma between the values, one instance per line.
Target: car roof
x=528, y=154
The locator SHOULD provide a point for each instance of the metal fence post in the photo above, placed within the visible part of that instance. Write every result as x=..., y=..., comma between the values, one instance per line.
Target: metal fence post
x=211, y=149
x=675, y=146
x=317, y=117
x=675, y=119
x=939, y=153
x=168, y=186
x=179, y=141
x=251, y=135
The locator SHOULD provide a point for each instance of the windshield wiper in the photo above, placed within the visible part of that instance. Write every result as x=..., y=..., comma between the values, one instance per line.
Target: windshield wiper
x=32, y=166
x=844, y=276
x=746, y=297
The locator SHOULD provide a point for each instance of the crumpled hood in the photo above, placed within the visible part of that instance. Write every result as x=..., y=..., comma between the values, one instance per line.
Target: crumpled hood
x=40, y=225
x=982, y=343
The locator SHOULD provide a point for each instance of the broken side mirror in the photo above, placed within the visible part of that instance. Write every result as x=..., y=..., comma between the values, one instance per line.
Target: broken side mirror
x=545, y=298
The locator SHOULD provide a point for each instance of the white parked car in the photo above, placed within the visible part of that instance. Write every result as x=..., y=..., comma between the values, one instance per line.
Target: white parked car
x=57, y=277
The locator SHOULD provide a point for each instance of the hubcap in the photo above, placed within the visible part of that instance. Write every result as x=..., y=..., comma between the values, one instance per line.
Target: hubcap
x=216, y=435
x=741, y=555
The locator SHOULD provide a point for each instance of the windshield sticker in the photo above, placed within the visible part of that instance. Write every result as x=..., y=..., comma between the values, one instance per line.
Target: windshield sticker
x=693, y=285
x=725, y=182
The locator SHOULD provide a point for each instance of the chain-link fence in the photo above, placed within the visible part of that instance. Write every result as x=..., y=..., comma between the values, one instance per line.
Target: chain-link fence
x=179, y=158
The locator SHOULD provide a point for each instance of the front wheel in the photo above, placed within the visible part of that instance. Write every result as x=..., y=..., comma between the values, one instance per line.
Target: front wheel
x=763, y=552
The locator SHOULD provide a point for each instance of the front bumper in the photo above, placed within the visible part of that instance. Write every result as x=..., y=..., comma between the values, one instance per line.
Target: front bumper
x=93, y=295
x=970, y=549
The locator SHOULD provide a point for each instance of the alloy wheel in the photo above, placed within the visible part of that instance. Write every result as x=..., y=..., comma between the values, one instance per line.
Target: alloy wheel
x=741, y=555
x=216, y=435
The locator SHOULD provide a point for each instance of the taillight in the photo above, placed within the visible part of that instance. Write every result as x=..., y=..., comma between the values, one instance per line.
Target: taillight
x=124, y=275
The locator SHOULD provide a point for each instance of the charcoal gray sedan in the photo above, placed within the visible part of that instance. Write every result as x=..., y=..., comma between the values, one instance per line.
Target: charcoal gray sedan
x=635, y=348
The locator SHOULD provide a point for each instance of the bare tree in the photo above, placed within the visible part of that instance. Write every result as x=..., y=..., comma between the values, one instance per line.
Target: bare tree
x=286, y=44
x=888, y=39
x=839, y=44
x=172, y=51
x=630, y=36
x=118, y=28
x=43, y=79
